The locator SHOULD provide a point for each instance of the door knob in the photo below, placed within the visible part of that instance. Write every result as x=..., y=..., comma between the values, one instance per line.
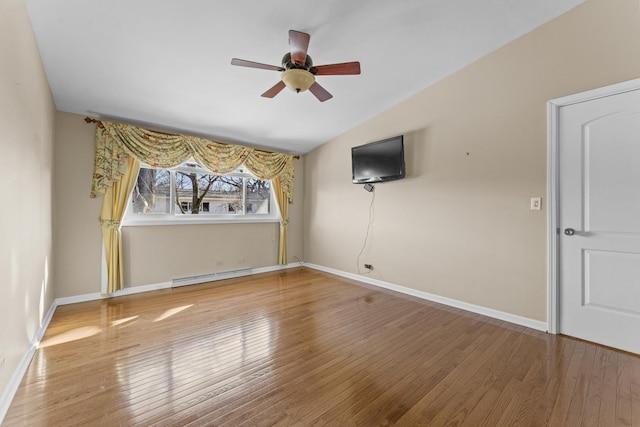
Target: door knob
x=569, y=231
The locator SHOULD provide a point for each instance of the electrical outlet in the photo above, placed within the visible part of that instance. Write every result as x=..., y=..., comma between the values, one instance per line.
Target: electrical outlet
x=536, y=203
x=368, y=266
x=2, y=360
x=219, y=263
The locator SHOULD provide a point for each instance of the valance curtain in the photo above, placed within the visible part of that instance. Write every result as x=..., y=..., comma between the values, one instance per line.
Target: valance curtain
x=116, y=144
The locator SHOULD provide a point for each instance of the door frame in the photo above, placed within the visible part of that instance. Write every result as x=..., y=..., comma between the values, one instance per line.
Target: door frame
x=553, y=175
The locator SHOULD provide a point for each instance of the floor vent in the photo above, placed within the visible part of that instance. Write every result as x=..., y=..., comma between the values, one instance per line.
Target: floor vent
x=211, y=277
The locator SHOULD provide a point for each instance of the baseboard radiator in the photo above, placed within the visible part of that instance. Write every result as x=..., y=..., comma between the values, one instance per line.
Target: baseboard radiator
x=211, y=277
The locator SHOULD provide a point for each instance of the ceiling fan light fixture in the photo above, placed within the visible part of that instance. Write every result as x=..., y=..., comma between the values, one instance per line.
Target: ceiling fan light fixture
x=298, y=80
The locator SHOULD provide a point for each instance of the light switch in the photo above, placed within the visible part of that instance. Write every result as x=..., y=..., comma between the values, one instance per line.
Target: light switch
x=536, y=203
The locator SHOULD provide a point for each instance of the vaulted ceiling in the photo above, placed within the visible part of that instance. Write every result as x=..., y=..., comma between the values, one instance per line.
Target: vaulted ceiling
x=166, y=64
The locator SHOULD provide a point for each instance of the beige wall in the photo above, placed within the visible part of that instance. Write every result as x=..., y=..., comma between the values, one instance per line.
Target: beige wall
x=459, y=225
x=26, y=145
x=151, y=254
x=77, y=236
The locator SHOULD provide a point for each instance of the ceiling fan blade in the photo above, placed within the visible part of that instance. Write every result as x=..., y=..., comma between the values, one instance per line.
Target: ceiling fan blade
x=299, y=43
x=344, y=68
x=320, y=92
x=275, y=89
x=251, y=64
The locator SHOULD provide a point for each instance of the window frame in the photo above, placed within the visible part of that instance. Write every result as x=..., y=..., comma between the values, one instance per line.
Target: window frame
x=173, y=218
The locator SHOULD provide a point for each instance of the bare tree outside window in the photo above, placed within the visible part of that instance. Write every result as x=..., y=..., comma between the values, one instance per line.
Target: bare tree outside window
x=194, y=185
x=223, y=192
x=258, y=196
x=190, y=190
x=151, y=193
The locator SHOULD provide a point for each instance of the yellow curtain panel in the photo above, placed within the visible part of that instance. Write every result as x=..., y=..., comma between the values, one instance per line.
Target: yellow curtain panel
x=114, y=206
x=283, y=204
x=119, y=150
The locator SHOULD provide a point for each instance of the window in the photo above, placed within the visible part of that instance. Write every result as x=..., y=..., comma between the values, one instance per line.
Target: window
x=185, y=207
x=191, y=193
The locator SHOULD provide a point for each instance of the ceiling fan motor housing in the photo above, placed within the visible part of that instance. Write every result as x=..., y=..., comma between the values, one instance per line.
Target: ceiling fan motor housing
x=288, y=64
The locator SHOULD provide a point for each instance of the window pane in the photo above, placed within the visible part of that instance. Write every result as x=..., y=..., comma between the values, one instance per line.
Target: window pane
x=258, y=196
x=152, y=191
x=204, y=193
x=226, y=196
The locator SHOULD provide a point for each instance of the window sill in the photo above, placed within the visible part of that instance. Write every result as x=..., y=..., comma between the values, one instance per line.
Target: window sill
x=186, y=220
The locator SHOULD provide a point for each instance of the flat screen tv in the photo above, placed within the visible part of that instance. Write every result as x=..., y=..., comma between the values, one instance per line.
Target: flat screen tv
x=378, y=161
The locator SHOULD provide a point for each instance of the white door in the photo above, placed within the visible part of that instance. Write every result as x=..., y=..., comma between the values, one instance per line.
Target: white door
x=599, y=220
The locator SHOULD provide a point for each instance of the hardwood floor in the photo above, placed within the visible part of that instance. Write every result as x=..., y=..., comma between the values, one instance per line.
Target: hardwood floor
x=302, y=347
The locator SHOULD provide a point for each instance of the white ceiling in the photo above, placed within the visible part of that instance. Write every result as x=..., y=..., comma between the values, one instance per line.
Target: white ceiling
x=166, y=64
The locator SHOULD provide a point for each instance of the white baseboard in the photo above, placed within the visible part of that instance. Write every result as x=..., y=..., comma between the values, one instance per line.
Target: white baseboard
x=140, y=289
x=500, y=315
x=166, y=285
x=18, y=374
x=127, y=291
x=79, y=298
x=276, y=268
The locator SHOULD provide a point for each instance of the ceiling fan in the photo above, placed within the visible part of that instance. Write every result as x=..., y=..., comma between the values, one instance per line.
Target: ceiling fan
x=298, y=71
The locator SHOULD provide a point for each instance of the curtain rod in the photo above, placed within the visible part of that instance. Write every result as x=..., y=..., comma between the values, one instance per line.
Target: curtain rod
x=100, y=125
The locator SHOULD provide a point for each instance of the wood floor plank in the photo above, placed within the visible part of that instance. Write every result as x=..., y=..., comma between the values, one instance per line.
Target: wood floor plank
x=361, y=401
x=522, y=355
x=607, y=416
x=594, y=393
x=437, y=347
x=300, y=377
x=304, y=347
x=361, y=353
x=634, y=369
x=577, y=410
x=623, y=392
x=463, y=366
x=558, y=359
